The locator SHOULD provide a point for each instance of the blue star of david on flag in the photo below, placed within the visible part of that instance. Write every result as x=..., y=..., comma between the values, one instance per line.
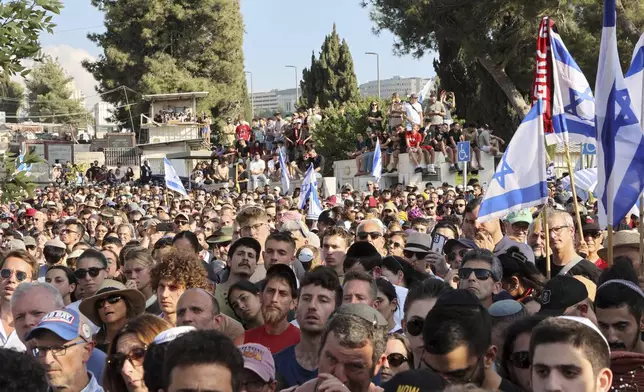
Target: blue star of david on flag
x=576, y=99
x=503, y=171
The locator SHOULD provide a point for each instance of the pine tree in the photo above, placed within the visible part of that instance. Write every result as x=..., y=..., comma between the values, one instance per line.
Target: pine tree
x=331, y=79
x=12, y=95
x=156, y=46
x=50, y=95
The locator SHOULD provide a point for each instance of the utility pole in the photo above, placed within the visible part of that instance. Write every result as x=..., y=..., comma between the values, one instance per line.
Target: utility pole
x=297, y=87
x=377, y=69
x=252, y=100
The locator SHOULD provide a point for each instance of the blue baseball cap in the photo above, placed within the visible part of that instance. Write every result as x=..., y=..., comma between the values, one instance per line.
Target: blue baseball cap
x=67, y=324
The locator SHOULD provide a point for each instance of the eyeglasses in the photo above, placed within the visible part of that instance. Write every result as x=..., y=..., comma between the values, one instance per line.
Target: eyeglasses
x=520, y=359
x=359, y=217
x=5, y=273
x=395, y=245
x=56, y=351
x=396, y=359
x=208, y=228
x=592, y=233
x=67, y=231
x=415, y=326
x=82, y=272
x=460, y=253
x=136, y=356
x=251, y=228
x=110, y=300
x=410, y=254
x=479, y=273
x=373, y=234
x=430, y=207
x=557, y=229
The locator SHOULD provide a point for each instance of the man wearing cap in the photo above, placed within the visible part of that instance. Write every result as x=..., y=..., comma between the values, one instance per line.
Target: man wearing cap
x=418, y=251
x=413, y=112
x=62, y=343
x=55, y=252
x=354, y=338
x=516, y=225
x=566, y=296
x=570, y=354
x=259, y=369
x=488, y=235
x=593, y=235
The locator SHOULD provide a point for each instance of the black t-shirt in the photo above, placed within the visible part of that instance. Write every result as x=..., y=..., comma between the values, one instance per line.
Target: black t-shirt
x=456, y=135
x=317, y=161
x=507, y=386
x=375, y=124
x=584, y=268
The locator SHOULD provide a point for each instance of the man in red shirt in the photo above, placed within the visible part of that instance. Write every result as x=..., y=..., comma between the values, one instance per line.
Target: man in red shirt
x=413, y=148
x=243, y=130
x=278, y=298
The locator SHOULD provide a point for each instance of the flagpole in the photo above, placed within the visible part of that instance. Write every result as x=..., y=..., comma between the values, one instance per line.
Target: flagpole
x=546, y=232
x=574, y=192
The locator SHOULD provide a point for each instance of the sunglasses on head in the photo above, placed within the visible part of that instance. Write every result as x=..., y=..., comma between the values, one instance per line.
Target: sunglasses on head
x=363, y=235
x=82, y=272
x=5, y=273
x=396, y=359
x=520, y=359
x=410, y=254
x=479, y=273
x=110, y=300
x=415, y=326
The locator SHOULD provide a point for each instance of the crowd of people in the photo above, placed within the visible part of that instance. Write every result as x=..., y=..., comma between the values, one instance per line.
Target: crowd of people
x=133, y=288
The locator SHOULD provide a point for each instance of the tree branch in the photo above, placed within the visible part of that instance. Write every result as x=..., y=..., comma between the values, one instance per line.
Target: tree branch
x=507, y=85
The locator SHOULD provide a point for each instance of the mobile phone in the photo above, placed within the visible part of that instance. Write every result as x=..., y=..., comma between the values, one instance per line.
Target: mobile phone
x=438, y=242
x=165, y=226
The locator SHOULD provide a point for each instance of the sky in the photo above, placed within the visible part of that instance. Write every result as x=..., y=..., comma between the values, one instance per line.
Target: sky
x=273, y=39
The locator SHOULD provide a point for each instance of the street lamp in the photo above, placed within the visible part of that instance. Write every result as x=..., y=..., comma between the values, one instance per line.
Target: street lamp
x=377, y=67
x=297, y=88
x=252, y=100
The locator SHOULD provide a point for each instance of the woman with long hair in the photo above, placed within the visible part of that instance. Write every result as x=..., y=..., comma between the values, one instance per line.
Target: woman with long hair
x=124, y=370
x=515, y=358
x=399, y=357
x=111, y=308
x=243, y=298
x=64, y=280
x=137, y=264
x=388, y=303
x=99, y=234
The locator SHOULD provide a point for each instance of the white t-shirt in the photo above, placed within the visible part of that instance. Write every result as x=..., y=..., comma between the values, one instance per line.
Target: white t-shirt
x=412, y=112
x=257, y=165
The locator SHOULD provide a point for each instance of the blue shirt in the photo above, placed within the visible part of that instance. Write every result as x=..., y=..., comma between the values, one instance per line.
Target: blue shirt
x=96, y=363
x=290, y=372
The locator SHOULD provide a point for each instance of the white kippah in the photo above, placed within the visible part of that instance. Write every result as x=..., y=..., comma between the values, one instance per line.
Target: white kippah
x=171, y=334
x=588, y=323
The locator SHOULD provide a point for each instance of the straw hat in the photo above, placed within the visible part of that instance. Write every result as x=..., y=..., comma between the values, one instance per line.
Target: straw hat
x=110, y=288
x=622, y=238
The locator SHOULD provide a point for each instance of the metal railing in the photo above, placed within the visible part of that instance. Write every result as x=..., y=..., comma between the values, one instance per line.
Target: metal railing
x=127, y=156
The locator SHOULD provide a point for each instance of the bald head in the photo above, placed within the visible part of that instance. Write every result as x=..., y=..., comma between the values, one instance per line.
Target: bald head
x=198, y=308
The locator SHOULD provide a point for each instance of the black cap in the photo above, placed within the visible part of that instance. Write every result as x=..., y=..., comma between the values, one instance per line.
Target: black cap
x=458, y=297
x=467, y=243
x=560, y=293
x=589, y=222
x=419, y=380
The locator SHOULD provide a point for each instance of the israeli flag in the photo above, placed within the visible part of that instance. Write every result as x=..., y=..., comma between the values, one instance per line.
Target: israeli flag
x=376, y=168
x=172, y=180
x=22, y=166
x=427, y=89
x=309, y=185
x=520, y=178
x=286, y=181
x=634, y=79
x=620, y=141
x=573, y=104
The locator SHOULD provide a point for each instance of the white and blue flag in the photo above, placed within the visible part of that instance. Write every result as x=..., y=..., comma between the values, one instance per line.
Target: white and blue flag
x=309, y=189
x=620, y=141
x=426, y=91
x=22, y=166
x=573, y=104
x=286, y=180
x=172, y=180
x=376, y=168
x=635, y=79
x=520, y=178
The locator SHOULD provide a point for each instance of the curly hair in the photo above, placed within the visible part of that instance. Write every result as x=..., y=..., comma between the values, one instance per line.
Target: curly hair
x=21, y=372
x=185, y=268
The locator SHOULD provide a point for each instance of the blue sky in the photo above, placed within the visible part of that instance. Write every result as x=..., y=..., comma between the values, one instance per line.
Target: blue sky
x=274, y=38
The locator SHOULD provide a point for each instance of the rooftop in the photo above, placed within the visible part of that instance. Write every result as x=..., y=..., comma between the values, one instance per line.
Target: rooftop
x=174, y=96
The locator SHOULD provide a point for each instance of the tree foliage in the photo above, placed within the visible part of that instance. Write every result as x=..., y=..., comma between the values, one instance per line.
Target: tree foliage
x=15, y=181
x=486, y=48
x=335, y=136
x=21, y=22
x=12, y=95
x=162, y=46
x=331, y=79
x=50, y=93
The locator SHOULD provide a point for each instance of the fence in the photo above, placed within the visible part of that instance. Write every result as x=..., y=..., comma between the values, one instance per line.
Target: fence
x=127, y=156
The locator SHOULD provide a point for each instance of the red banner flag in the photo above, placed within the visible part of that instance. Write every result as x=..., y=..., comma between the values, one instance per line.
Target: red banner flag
x=541, y=86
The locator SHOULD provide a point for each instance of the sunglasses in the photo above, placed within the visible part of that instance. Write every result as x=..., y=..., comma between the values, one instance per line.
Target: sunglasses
x=394, y=245
x=592, y=233
x=82, y=272
x=110, y=300
x=5, y=273
x=181, y=222
x=410, y=254
x=136, y=356
x=460, y=252
x=415, y=326
x=364, y=234
x=520, y=359
x=396, y=359
x=479, y=273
